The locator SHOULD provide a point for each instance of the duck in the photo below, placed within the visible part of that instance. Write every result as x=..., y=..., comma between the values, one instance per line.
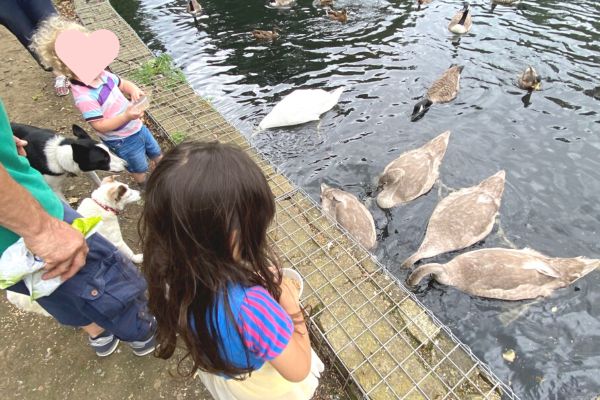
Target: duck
x=193, y=7
x=265, y=35
x=300, y=106
x=461, y=219
x=323, y=3
x=349, y=212
x=530, y=80
x=443, y=90
x=506, y=274
x=341, y=16
x=495, y=3
x=421, y=2
x=413, y=173
x=281, y=3
x=461, y=22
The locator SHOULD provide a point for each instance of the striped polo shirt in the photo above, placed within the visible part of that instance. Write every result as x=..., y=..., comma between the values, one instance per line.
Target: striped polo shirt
x=104, y=100
x=261, y=326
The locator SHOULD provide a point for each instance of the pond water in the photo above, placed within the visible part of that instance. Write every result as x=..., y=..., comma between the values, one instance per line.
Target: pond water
x=386, y=56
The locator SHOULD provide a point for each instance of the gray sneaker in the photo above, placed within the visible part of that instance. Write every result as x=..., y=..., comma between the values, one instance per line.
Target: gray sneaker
x=143, y=348
x=104, y=344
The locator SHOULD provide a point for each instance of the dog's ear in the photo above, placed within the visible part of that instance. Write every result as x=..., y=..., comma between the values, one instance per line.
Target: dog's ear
x=80, y=132
x=121, y=190
x=109, y=179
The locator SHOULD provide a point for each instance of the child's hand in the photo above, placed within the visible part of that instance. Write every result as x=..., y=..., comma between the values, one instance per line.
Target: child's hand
x=133, y=113
x=136, y=93
x=289, y=299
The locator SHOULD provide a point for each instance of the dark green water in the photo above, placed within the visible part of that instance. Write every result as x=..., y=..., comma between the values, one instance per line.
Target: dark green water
x=386, y=56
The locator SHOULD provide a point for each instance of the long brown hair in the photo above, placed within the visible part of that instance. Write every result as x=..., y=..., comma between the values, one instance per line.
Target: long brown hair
x=202, y=201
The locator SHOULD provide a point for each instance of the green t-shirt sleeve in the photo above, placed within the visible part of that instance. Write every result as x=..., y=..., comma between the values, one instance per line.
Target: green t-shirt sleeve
x=19, y=169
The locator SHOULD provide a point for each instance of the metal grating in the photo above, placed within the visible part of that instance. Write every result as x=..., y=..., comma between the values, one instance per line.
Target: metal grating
x=380, y=339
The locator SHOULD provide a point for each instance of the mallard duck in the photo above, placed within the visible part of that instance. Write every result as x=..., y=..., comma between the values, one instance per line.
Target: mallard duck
x=530, y=80
x=300, y=106
x=461, y=22
x=413, y=173
x=349, y=212
x=461, y=219
x=503, y=3
x=341, y=16
x=193, y=7
x=265, y=35
x=443, y=90
x=506, y=274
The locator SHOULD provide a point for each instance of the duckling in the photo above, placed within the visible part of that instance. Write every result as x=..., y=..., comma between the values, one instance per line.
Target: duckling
x=341, y=16
x=193, y=7
x=530, y=80
x=265, y=35
x=421, y=2
x=349, y=212
x=443, y=90
x=281, y=3
x=461, y=219
x=506, y=274
x=413, y=173
x=461, y=22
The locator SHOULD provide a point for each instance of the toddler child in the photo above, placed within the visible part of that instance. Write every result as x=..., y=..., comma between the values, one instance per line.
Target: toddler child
x=103, y=104
x=212, y=278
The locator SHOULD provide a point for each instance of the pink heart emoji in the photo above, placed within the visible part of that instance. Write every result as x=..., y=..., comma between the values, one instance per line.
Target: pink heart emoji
x=87, y=55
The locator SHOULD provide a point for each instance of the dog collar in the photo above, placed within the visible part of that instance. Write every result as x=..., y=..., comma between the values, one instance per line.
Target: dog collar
x=107, y=208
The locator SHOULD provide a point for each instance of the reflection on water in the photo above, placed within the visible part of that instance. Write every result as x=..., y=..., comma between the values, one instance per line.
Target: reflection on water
x=386, y=56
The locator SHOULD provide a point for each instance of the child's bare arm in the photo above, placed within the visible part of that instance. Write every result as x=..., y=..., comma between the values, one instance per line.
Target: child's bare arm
x=294, y=362
x=130, y=89
x=110, y=124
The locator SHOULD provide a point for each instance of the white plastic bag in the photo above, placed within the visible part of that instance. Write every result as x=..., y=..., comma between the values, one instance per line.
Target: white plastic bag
x=18, y=263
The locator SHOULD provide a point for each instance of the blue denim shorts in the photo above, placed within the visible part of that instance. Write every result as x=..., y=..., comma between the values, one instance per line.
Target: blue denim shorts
x=135, y=148
x=108, y=290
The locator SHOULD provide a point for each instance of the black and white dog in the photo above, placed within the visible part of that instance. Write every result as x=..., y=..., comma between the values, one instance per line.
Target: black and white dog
x=56, y=156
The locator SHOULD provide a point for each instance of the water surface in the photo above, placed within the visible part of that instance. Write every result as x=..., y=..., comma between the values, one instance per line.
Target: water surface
x=386, y=56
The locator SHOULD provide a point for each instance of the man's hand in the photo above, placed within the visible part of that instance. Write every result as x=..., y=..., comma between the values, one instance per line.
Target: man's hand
x=20, y=146
x=62, y=248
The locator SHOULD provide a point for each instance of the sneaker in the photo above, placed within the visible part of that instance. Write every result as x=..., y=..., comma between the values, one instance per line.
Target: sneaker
x=143, y=348
x=61, y=85
x=104, y=344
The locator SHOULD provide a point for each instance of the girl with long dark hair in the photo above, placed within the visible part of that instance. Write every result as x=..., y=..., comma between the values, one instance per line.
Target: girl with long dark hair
x=213, y=280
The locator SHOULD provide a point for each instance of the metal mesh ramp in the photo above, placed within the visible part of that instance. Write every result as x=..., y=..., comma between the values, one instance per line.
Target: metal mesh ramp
x=380, y=339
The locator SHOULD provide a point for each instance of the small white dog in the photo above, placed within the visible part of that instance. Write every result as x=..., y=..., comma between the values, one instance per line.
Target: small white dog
x=107, y=202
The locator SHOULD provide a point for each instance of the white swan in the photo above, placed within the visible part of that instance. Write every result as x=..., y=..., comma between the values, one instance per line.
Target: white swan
x=300, y=106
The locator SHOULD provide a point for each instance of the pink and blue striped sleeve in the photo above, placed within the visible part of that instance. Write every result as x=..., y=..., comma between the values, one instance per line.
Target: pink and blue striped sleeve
x=89, y=107
x=266, y=328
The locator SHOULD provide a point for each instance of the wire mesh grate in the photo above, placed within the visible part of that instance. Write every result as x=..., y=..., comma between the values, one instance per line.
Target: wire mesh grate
x=380, y=339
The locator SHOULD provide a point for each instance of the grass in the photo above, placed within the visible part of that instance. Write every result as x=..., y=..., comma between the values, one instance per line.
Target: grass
x=159, y=67
x=178, y=137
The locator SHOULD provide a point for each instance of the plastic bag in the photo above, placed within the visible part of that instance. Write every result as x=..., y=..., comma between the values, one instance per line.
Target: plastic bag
x=18, y=263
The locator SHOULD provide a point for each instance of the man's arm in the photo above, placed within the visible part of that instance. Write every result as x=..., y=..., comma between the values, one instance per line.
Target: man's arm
x=62, y=247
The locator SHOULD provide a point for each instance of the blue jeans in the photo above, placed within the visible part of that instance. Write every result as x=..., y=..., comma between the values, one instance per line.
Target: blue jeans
x=108, y=291
x=135, y=148
x=22, y=18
